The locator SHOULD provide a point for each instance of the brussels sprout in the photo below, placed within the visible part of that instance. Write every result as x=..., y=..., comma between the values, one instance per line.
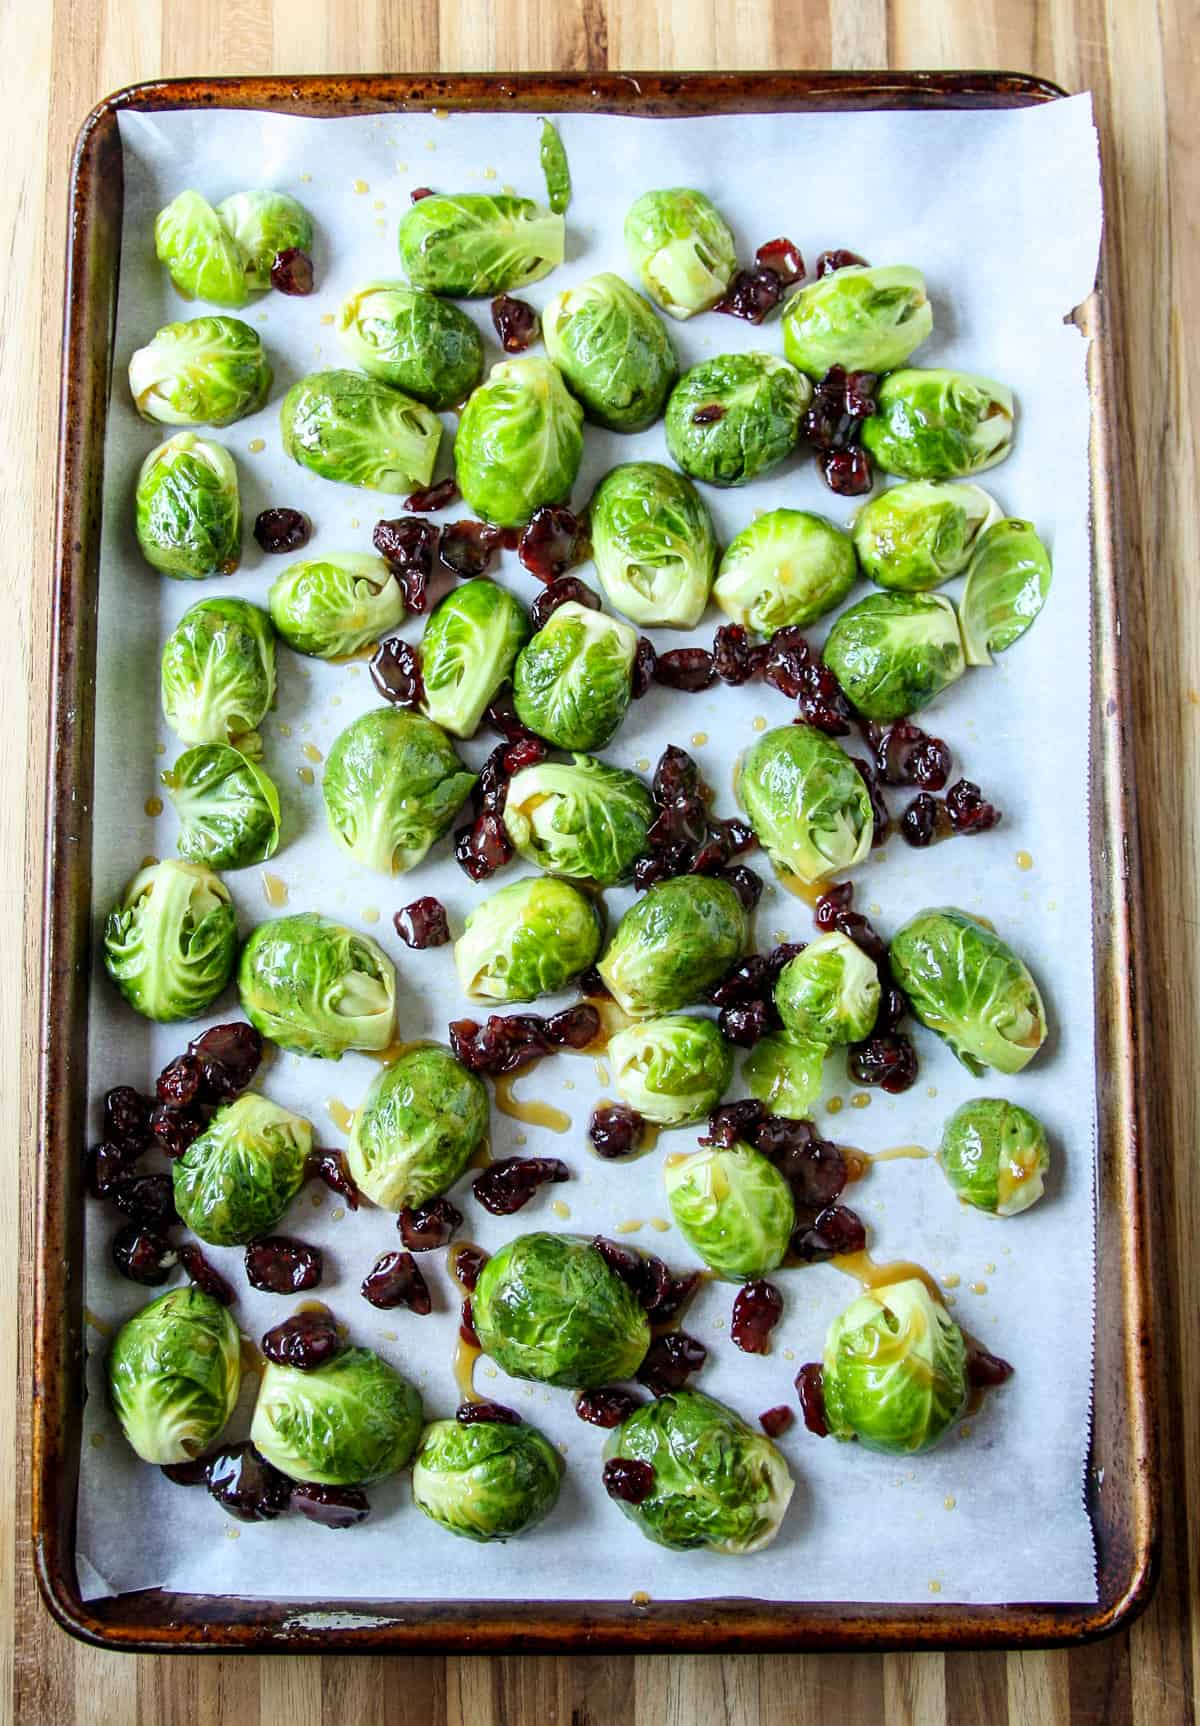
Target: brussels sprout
x=682, y=249
x=548, y=1307
x=968, y=985
x=468, y=650
x=228, y=808
x=487, y=1480
x=581, y=818
x=614, y=353
x=187, y=511
x=787, y=567
x=528, y=939
x=733, y=1207
x=332, y=607
x=672, y=943
x=207, y=371
x=913, y=537
x=654, y=545
x=939, y=424
x=236, y=1180
x=359, y=431
x=414, y=341
x=1005, y=589
x=472, y=244
x=574, y=680
x=894, y=1370
x=736, y=416
x=174, y=1370
x=263, y=224
x=348, y=1422
x=421, y=1122
x=316, y=987
x=829, y=993
x=717, y=1482
x=202, y=256
x=218, y=674
x=807, y=802
x=170, y=939
x=784, y=1073
x=893, y=653
x=520, y=441
x=862, y=318
x=672, y=1071
x=555, y=168
x=995, y=1156
x=392, y=787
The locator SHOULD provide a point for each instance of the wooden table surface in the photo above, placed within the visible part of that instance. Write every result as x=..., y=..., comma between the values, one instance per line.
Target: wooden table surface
x=1140, y=59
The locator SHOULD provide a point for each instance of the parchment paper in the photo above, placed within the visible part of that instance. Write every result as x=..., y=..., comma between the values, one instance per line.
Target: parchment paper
x=1002, y=212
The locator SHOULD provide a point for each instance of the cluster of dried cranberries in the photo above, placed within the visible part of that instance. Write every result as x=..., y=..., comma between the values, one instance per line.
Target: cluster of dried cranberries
x=685, y=839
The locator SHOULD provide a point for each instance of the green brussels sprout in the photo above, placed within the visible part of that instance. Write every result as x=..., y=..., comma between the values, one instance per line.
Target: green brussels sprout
x=332, y=607
x=995, y=1156
x=467, y=652
x=346, y=1423
x=682, y=249
x=939, y=424
x=784, y=1073
x=218, y=674
x=673, y=1070
x=236, y=1180
x=421, y=1122
x=170, y=940
x=316, y=987
x=547, y=1307
x=894, y=1370
x=1006, y=587
x=471, y=244
x=672, y=943
x=174, y=1371
x=528, y=939
x=392, y=787
x=264, y=223
x=915, y=536
x=717, y=1482
x=354, y=429
x=487, y=1480
x=863, y=318
x=893, y=653
x=736, y=416
x=829, y=993
x=807, y=802
x=968, y=985
x=520, y=441
x=733, y=1207
x=555, y=167
x=228, y=808
x=204, y=260
x=574, y=680
x=414, y=341
x=788, y=567
x=187, y=511
x=582, y=818
x=614, y=353
x=205, y=371
x=653, y=544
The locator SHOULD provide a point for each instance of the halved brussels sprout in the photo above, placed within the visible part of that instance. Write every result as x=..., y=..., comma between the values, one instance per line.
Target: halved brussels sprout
x=864, y=318
x=528, y=939
x=187, y=511
x=548, y=1307
x=467, y=652
x=236, y=1180
x=393, y=785
x=354, y=429
x=913, y=537
x=995, y=1156
x=218, y=674
x=520, y=441
x=829, y=993
x=682, y=249
x=1006, y=587
x=894, y=1370
x=471, y=244
x=205, y=371
x=614, y=353
x=653, y=544
x=202, y=256
x=418, y=1127
x=228, y=808
x=170, y=939
x=717, y=1482
x=346, y=1423
x=174, y=1371
x=487, y=1480
x=784, y=1073
x=807, y=802
x=555, y=167
x=673, y=1070
x=672, y=943
x=939, y=424
x=893, y=653
x=582, y=818
x=263, y=224
x=731, y=1206
x=414, y=341
x=332, y=607
x=736, y=416
x=574, y=680
x=968, y=985
x=788, y=567
x=316, y=987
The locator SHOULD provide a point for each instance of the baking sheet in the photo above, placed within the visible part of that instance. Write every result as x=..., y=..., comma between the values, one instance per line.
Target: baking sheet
x=1002, y=213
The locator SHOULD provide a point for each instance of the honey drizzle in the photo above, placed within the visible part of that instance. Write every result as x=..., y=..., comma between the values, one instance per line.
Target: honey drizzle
x=528, y=1110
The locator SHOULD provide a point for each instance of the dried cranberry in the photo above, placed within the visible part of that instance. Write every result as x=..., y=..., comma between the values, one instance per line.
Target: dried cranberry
x=467, y=1264
x=968, y=810
x=146, y=1199
x=846, y=471
x=466, y=1324
x=525, y=752
x=468, y=547
x=205, y=1276
x=787, y=655
x=835, y=1230
x=783, y=1139
x=104, y=1166
x=659, y=866
x=422, y=924
x=860, y=394
x=730, y=1122
x=879, y=809
x=739, y=836
x=780, y=956
x=180, y=1081
x=419, y=192
x=893, y=1006
x=330, y=1506
x=632, y=1482
x=751, y=295
x=745, y=1024
x=735, y=659
x=592, y=984
x=775, y=1421
x=906, y=755
x=126, y=1119
x=757, y=1309
x=674, y=1298
x=490, y=790
x=687, y=668
x=193, y=1473
x=501, y=716
x=331, y=1168
x=396, y=673
x=277, y=1265
x=821, y=702
x=508, y=1185
x=573, y=1027
x=553, y=542
x=745, y=883
x=282, y=530
x=143, y=1255
x=709, y=414
x=246, y=1485
x=683, y=822
x=395, y=1280
x=986, y=1369
x=919, y=823
x=746, y=980
x=174, y=1129
x=817, y=1174
x=428, y=1226
x=506, y=1042
x=643, y=1273
x=670, y=1361
x=305, y=1340
x=644, y=661
x=810, y=1388
x=828, y=422
x=433, y=497
x=676, y=777
x=408, y=545
x=887, y=1059
x=516, y=323
x=828, y=262
x=292, y=272
x=711, y=855
x=606, y=1405
x=784, y=258
x=562, y=589
x=229, y=1056
x=483, y=846
x=615, y=1131
x=470, y=1413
